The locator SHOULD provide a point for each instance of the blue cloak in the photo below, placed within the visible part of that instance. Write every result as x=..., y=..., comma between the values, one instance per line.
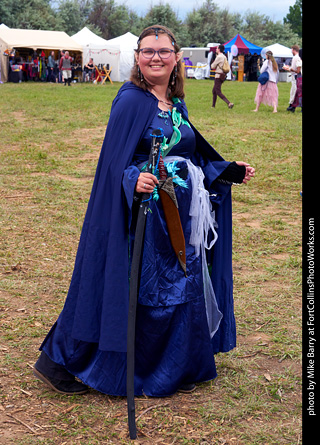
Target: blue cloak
x=96, y=308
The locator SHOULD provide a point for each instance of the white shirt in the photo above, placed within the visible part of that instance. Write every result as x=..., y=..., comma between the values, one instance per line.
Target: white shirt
x=267, y=66
x=295, y=62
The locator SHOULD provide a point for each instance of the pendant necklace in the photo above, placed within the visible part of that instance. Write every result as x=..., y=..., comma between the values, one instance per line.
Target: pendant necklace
x=162, y=101
x=166, y=103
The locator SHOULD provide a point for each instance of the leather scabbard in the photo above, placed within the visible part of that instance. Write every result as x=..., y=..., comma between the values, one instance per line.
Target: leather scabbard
x=172, y=217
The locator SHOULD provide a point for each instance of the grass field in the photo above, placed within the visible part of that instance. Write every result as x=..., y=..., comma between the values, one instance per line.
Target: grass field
x=51, y=136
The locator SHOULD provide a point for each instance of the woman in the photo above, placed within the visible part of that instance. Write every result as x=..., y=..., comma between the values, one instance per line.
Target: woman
x=88, y=71
x=179, y=325
x=268, y=93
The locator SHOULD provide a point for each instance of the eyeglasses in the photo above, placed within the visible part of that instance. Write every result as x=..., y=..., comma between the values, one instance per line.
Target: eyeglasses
x=163, y=53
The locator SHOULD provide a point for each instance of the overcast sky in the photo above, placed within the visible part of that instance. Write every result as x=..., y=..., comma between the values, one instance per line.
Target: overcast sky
x=275, y=9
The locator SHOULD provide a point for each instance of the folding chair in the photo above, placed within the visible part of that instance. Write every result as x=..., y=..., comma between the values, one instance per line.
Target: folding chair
x=101, y=75
x=107, y=73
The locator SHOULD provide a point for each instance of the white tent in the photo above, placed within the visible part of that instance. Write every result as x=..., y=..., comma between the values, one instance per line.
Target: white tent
x=279, y=50
x=38, y=39
x=2, y=26
x=33, y=39
x=127, y=43
x=100, y=50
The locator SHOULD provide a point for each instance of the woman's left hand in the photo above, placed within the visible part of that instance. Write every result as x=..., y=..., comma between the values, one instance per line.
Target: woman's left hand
x=250, y=171
x=146, y=183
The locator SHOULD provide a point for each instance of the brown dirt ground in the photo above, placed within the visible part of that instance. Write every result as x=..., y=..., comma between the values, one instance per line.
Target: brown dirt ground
x=29, y=409
x=31, y=413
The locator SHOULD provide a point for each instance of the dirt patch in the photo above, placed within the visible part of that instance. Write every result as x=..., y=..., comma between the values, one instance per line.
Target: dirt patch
x=54, y=174
x=32, y=413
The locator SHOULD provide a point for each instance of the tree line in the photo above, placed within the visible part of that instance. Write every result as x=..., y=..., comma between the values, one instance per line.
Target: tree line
x=109, y=19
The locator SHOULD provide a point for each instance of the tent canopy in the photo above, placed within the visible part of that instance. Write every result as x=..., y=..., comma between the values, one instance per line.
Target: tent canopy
x=105, y=51
x=243, y=45
x=86, y=37
x=100, y=50
x=127, y=43
x=279, y=50
x=37, y=39
x=34, y=39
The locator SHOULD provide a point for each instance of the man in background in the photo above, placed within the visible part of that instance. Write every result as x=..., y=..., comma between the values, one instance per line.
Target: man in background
x=66, y=68
x=294, y=69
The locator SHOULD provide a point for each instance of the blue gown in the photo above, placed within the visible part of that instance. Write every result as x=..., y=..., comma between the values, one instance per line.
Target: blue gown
x=173, y=344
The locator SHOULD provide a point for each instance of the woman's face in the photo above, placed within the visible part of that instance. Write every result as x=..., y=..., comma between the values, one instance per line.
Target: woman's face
x=157, y=70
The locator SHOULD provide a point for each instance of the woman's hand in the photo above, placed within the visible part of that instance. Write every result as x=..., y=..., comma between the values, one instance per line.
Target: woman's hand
x=250, y=171
x=146, y=183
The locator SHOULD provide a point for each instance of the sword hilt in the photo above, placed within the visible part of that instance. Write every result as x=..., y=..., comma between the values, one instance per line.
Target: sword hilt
x=157, y=137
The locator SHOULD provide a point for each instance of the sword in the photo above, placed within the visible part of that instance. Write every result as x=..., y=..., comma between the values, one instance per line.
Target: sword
x=157, y=137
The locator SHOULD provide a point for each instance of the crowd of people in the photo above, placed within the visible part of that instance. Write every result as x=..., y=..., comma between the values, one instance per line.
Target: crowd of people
x=64, y=69
x=267, y=93
x=58, y=67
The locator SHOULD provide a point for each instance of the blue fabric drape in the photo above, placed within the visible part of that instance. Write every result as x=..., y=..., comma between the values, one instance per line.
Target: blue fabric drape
x=89, y=337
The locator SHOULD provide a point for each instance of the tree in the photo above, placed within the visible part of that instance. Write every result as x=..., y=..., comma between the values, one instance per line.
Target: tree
x=164, y=15
x=256, y=27
x=69, y=16
x=209, y=24
x=27, y=14
x=262, y=31
x=112, y=19
x=294, y=17
x=203, y=25
x=8, y=12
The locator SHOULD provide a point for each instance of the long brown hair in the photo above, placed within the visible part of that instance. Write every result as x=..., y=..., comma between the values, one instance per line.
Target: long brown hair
x=269, y=55
x=176, y=81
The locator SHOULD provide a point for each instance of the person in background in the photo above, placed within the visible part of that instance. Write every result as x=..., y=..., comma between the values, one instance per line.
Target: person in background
x=298, y=96
x=51, y=67
x=219, y=77
x=60, y=76
x=268, y=93
x=35, y=66
x=88, y=70
x=293, y=68
x=66, y=68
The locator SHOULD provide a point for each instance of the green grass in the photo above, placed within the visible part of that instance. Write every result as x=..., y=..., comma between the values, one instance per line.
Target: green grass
x=49, y=147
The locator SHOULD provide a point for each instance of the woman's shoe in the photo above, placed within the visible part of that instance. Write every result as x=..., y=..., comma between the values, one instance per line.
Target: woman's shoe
x=67, y=387
x=187, y=388
x=230, y=105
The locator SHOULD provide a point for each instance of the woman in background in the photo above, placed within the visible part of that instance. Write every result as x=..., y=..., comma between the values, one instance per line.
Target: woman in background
x=268, y=93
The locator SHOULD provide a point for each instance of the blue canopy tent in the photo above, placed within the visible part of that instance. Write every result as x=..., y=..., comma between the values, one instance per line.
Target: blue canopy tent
x=243, y=45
